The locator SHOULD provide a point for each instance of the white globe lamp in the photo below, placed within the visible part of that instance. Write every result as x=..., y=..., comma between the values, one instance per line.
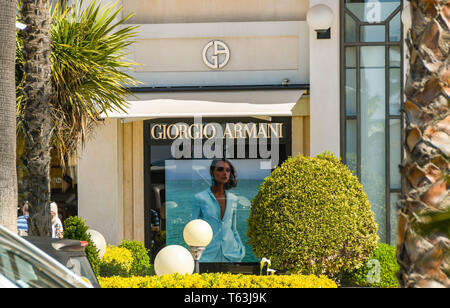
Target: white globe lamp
x=99, y=241
x=320, y=18
x=174, y=259
x=197, y=234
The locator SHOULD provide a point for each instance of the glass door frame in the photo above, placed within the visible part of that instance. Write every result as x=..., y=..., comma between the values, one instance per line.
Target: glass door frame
x=388, y=116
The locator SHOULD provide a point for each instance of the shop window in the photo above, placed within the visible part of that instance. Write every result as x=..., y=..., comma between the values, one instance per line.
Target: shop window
x=178, y=157
x=371, y=99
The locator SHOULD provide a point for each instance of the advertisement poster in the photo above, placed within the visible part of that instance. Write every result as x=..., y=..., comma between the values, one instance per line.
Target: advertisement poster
x=188, y=188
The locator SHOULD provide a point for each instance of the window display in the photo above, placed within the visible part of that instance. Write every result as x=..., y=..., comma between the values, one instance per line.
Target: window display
x=210, y=171
x=193, y=192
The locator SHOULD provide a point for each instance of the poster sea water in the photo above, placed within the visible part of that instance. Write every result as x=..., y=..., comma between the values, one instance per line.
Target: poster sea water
x=185, y=178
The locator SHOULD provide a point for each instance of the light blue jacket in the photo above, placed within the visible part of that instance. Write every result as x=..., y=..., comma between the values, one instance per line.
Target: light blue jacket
x=226, y=245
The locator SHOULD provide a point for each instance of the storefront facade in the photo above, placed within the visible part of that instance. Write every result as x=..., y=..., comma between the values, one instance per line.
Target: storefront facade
x=253, y=84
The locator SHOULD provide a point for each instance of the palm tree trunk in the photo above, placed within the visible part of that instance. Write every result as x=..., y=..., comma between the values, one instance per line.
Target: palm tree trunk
x=8, y=177
x=425, y=258
x=37, y=126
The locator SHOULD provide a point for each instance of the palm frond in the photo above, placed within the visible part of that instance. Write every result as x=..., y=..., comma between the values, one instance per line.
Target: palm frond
x=89, y=49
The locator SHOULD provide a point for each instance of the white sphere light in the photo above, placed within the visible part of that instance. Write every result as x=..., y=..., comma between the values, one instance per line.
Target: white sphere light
x=320, y=17
x=198, y=233
x=174, y=259
x=99, y=241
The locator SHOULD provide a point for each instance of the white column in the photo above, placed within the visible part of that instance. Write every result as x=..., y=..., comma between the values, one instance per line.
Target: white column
x=100, y=174
x=325, y=86
x=100, y=182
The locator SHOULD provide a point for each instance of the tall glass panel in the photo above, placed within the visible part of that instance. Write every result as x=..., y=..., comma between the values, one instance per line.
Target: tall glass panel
x=395, y=148
x=373, y=33
x=350, y=91
x=395, y=79
x=394, y=91
x=373, y=120
x=372, y=98
x=350, y=29
x=350, y=57
x=395, y=32
x=395, y=56
x=350, y=81
x=372, y=11
x=395, y=206
x=351, y=145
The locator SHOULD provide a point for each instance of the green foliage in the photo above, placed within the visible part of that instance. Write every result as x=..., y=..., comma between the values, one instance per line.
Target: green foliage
x=312, y=216
x=141, y=261
x=218, y=280
x=129, y=259
x=380, y=273
x=76, y=229
x=117, y=261
x=89, y=76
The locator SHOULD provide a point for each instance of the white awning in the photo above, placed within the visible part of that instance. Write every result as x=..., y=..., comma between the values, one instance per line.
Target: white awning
x=210, y=104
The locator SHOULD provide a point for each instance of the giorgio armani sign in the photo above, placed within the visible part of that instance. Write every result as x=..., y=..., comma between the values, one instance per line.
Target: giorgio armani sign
x=216, y=55
x=215, y=130
x=218, y=140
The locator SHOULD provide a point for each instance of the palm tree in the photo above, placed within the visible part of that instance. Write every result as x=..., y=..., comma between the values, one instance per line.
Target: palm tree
x=8, y=178
x=37, y=128
x=424, y=257
x=87, y=50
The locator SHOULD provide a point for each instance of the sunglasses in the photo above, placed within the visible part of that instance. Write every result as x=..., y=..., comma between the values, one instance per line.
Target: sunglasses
x=220, y=169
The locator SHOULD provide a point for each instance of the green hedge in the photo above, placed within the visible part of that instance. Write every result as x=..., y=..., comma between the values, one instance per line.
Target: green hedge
x=117, y=261
x=141, y=265
x=76, y=229
x=218, y=280
x=130, y=258
x=380, y=271
x=312, y=216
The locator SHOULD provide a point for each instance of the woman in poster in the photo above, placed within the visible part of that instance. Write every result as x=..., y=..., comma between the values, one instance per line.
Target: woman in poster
x=217, y=206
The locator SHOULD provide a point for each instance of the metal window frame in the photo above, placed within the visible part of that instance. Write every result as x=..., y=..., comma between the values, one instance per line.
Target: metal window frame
x=388, y=117
x=284, y=144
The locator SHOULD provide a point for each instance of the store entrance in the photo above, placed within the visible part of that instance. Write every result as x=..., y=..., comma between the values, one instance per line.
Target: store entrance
x=178, y=154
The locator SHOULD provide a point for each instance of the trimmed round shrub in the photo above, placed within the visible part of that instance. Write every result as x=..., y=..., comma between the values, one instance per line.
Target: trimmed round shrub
x=76, y=229
x=312, y=216
x=380, y=271
x=141, y=261
x=116, y=261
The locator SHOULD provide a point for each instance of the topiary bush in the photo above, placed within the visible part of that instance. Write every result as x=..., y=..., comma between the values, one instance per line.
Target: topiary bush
x=380, y=271
x=117, y=261
x=76, y=229
x=141, y=265
x=312, y=216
